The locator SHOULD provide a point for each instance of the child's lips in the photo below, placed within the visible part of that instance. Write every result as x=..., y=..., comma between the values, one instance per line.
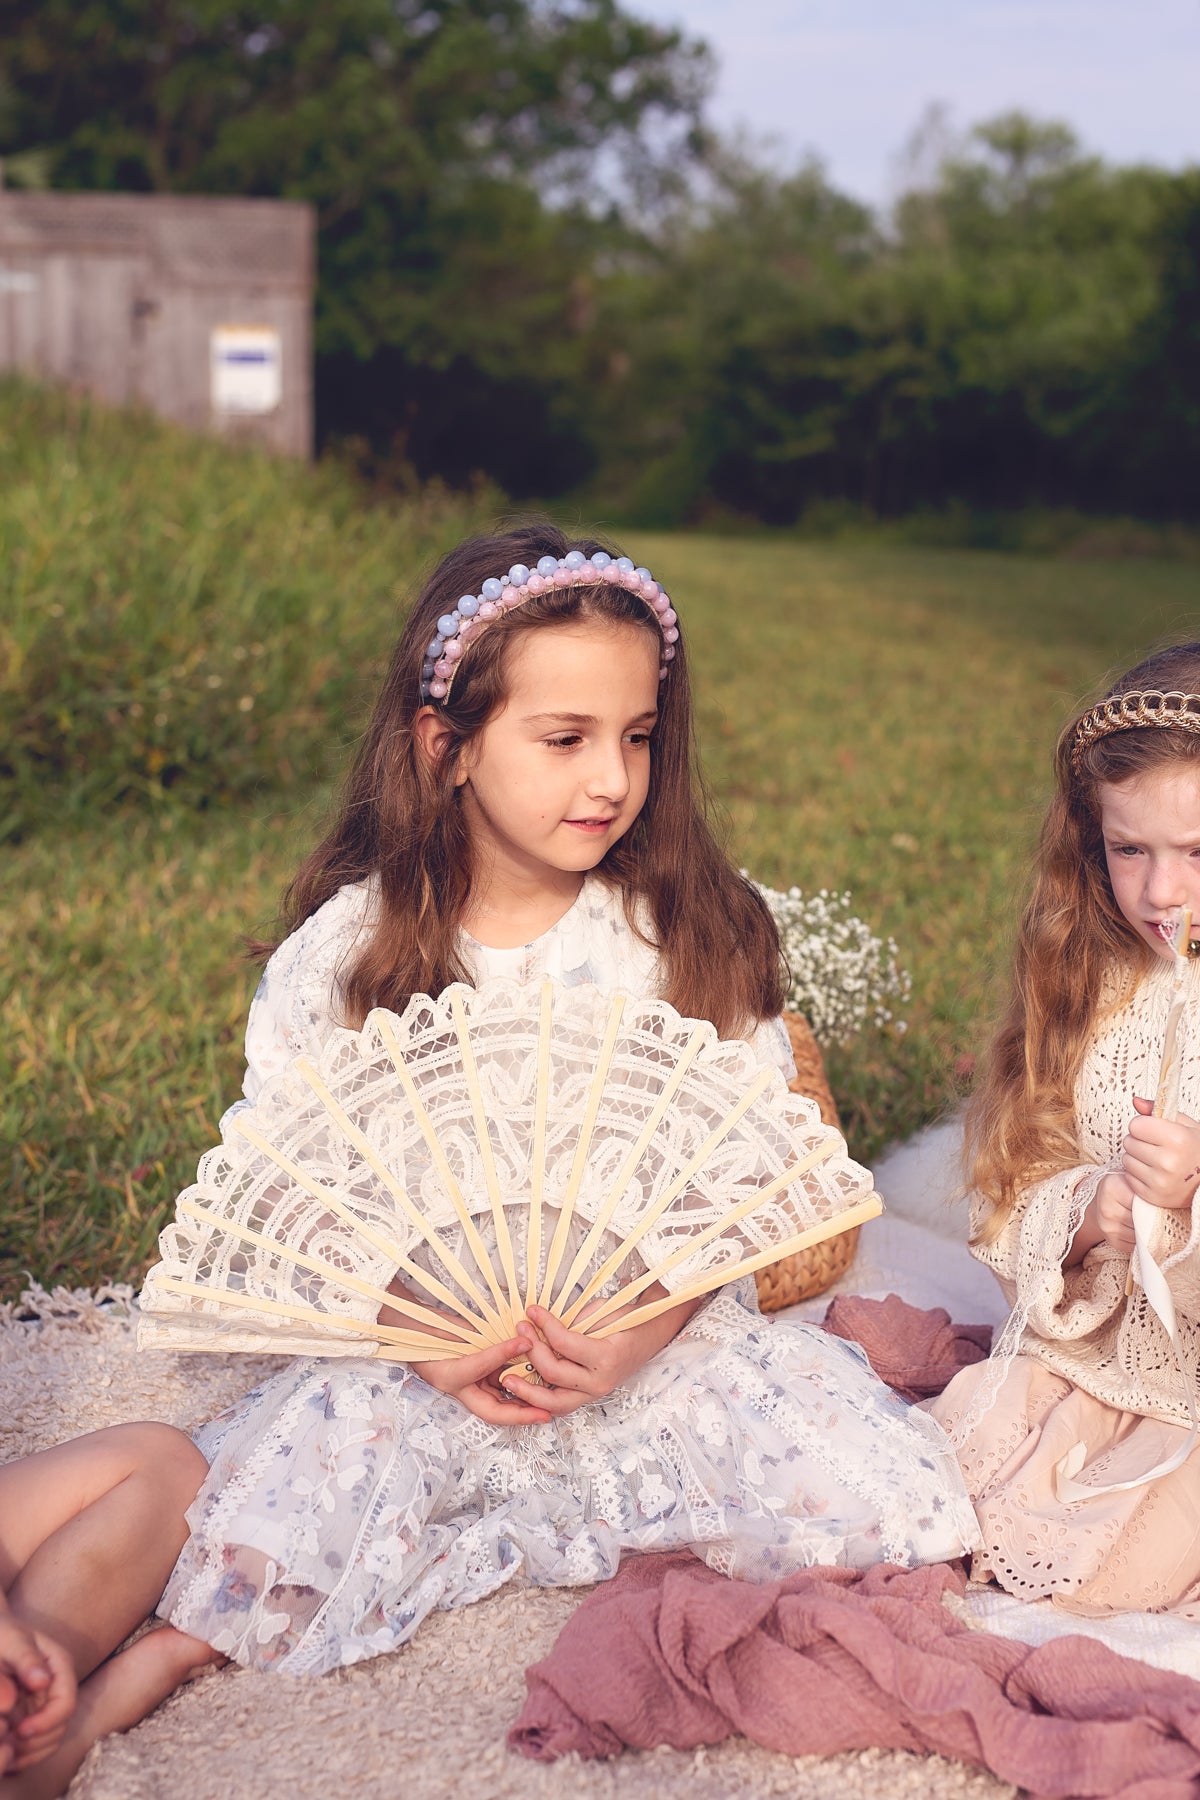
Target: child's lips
x=594, y=825
x=1164, y=931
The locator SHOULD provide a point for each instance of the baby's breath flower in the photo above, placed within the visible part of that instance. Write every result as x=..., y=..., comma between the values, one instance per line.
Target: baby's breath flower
x=841, y=974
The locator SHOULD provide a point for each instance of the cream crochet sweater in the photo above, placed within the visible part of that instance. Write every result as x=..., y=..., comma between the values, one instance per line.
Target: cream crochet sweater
x=1078, y=1321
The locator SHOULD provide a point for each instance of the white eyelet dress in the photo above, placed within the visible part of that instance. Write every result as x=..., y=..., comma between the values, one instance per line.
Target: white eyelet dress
x=346, y=1500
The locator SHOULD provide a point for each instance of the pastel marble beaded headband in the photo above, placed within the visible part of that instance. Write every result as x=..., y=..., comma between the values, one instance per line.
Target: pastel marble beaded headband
x=1170, y=711
x=501, y=594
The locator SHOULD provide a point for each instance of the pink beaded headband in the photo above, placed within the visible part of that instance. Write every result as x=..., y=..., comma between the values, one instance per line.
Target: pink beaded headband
x=497, y=596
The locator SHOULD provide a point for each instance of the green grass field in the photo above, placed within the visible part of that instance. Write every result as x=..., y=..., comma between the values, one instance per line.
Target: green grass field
x=872, y=718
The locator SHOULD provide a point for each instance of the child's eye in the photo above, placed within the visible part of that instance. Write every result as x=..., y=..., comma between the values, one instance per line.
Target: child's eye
x=565, y=741
x=1126, y=850
x=637, y=738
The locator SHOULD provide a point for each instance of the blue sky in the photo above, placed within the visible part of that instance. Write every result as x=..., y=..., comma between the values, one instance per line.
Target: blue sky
x=850, y=78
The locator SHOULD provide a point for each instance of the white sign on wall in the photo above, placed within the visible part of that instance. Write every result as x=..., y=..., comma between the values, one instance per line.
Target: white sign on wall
x=18, y=281
x=247, y=368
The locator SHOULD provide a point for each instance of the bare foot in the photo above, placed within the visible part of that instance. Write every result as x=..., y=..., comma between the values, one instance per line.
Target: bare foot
x=117, y=1696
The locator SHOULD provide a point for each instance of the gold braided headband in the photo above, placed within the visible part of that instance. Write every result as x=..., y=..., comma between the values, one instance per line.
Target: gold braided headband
x=1131, y=712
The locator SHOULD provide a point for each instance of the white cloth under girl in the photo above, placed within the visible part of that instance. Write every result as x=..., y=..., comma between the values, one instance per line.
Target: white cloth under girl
x=346, y=1500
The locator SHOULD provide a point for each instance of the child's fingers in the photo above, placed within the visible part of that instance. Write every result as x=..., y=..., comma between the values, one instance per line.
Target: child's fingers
x=1165, y=1174
x=555, y=1371
x=493, y=1409
x=30, y=1750
x=557, y=1400
x=21, y=1657
x=560, y=1371
x=477, y=1366
x=574, y=1347
x=56, y=1704
x=1161, y=1134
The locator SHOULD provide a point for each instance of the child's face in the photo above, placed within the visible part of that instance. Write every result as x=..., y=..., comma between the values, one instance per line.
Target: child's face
x=560, y=773
x=1151, y=832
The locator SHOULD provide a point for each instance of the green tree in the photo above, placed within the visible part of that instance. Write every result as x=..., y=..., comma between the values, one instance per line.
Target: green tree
x=466, y=158
x=979, y=345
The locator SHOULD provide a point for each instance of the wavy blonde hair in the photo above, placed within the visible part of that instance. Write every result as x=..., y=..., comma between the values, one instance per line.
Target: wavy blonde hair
x=1075, y=955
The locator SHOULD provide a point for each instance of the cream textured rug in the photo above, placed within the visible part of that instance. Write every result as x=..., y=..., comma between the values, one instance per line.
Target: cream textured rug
x=432, y=1719
x=425, y=1722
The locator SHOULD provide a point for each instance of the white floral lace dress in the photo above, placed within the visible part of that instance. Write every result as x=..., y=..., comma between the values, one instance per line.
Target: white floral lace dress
x=346, y=1500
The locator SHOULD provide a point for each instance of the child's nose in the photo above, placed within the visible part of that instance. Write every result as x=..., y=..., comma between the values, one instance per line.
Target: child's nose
x=1165, y=885
x=608, y=777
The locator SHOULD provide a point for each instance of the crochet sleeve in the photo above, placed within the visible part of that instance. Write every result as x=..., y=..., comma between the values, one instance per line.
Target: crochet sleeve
x=1027, y=1258
x=1178, y=1253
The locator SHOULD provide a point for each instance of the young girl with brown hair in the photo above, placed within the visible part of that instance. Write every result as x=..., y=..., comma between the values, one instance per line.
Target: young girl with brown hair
x=525, y=804
x=1074, y=1439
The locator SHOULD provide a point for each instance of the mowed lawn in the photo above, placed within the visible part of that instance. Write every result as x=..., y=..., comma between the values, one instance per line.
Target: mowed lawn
x=871, y=718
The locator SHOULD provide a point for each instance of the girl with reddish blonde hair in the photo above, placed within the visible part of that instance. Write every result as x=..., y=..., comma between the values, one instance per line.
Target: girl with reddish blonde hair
x=1076, y=1438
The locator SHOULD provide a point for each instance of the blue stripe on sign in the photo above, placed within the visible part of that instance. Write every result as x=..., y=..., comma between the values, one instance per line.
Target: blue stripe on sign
x=245, y=356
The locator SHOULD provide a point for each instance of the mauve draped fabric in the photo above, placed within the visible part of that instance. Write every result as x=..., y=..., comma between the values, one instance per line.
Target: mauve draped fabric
x=916, y=1352
x=830, y=1660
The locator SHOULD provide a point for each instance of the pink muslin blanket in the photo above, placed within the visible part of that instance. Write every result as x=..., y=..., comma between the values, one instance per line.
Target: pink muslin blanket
x=916, y=1352
x=829, y=1660
x=834, y=1659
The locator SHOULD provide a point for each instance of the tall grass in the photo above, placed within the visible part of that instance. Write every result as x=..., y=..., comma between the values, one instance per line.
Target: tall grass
x=180, y=616
x=875, y=717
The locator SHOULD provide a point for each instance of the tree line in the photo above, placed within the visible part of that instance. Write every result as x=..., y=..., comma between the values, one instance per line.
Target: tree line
x=539, y=265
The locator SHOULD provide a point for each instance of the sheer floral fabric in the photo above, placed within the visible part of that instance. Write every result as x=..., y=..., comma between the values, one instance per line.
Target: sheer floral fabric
x=346, y=1499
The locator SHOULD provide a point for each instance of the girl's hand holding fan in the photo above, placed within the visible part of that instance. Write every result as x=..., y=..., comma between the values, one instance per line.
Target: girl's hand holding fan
x=1162, y=1157
x=444, y=1174
x=576, y=1367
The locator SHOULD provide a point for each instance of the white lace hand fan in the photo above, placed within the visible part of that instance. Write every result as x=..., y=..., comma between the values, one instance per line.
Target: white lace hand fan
x=486, y=1150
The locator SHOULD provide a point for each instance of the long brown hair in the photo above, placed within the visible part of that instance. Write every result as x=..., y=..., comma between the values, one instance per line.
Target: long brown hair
x=1073, y=939
x=400, y=819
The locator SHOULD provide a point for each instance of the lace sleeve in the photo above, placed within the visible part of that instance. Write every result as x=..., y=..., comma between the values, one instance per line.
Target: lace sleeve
x=770, y=1042
x=1027, y=1258
x=298, y=1002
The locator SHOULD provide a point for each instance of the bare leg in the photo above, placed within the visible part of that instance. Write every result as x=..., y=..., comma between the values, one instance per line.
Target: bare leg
x=119, y=1695
x=89, y=1533
x=90, y=1530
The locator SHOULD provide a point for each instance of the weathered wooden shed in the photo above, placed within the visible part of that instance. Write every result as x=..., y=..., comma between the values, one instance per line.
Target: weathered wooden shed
x=200, y=309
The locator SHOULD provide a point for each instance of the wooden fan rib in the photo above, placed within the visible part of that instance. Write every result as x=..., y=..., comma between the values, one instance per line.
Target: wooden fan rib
x=537, y=1173
x=653, y=1214
x=326, y=1197
x=802, y=1240
x=760, y=1198
x=385, y=1026
x=504, y=1243
x=367, y=1151
x=423, y=1348
x=353, y=1284
x=583, y=1145
x=633, y=1157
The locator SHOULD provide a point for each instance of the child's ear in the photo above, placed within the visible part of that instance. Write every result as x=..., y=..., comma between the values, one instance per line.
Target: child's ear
x=434, y=737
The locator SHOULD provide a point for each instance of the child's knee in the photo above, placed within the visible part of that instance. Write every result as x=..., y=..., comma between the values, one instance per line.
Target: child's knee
x=164, y=1455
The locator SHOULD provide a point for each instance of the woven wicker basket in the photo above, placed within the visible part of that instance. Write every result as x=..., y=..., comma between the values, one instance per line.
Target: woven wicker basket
x=809, y=1273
